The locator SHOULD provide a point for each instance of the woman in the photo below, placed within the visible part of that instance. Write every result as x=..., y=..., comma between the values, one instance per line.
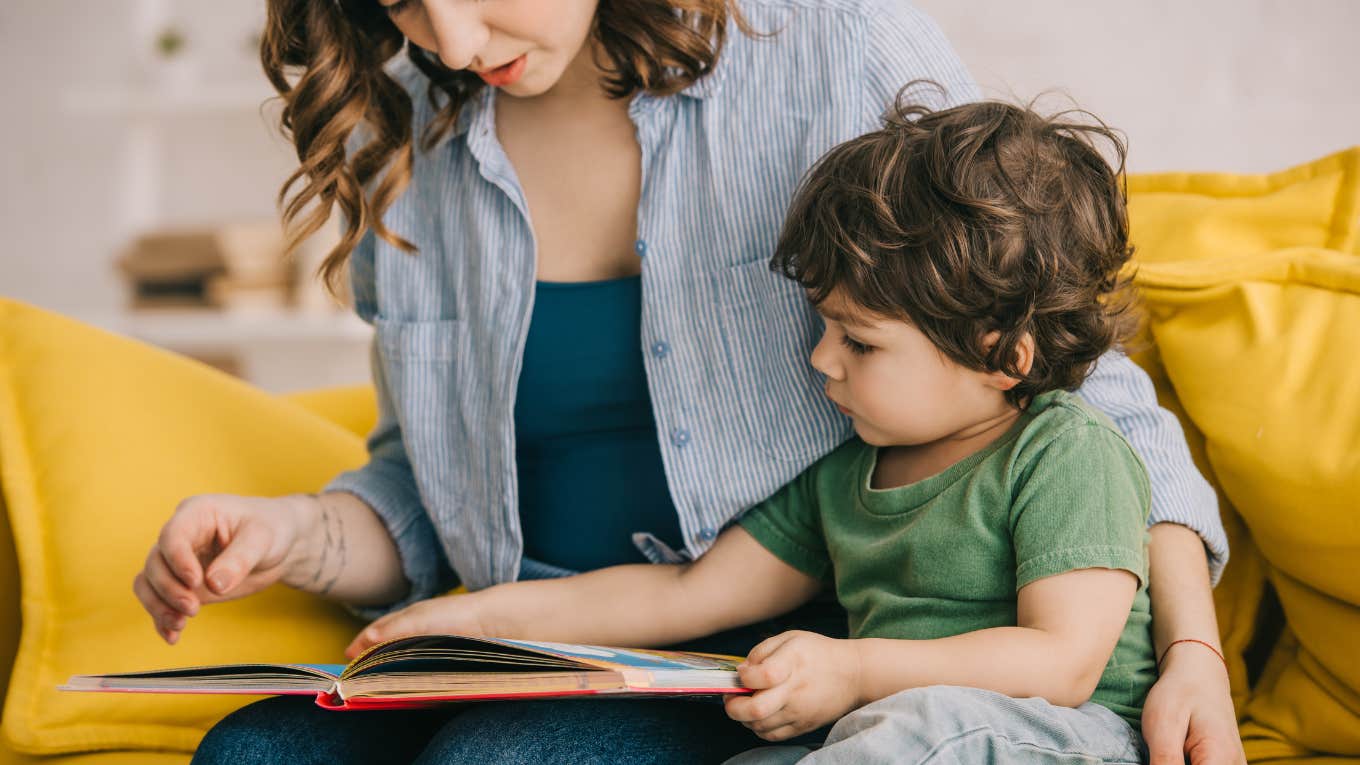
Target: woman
x=558, y=215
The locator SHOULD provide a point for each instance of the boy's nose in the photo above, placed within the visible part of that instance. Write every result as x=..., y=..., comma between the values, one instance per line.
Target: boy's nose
x=823, y=359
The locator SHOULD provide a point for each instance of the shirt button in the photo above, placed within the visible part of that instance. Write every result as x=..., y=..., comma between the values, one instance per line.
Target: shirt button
x=661, y=349
x=707, y=533
x=641, y=247
x=680, y=437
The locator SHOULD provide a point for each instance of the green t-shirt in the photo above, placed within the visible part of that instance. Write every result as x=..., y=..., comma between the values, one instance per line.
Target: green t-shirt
x=1061, y=490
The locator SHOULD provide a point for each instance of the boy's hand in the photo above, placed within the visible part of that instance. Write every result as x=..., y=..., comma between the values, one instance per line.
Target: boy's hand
x=446, y=615
x=801, y=680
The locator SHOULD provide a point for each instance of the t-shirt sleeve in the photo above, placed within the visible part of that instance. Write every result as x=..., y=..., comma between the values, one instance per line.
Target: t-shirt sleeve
x=1083, y=504
x=905, y=45
x=789, y=525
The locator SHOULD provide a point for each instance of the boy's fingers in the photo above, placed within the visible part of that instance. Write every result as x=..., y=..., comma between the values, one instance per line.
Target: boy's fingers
x=773, y=722
x=766, y=647
x=769, y=673
x=782, y=733
x=758, y=706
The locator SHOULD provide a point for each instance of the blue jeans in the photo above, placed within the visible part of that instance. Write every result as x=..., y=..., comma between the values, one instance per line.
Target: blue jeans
x=293, y=729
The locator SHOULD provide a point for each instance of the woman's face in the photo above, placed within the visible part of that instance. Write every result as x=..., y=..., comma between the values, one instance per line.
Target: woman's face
x=520, y=46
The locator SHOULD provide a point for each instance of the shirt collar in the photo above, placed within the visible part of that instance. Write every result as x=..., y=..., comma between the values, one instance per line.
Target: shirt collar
x=709, y=84
x=475, y=110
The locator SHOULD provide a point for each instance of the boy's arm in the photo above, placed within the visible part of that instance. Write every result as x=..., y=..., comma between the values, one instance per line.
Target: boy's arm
x=1068, y=627
x=736, y=582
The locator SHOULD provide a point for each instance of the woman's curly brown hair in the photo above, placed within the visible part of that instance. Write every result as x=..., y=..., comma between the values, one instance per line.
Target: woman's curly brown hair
x=325, y=58
x=982, y=218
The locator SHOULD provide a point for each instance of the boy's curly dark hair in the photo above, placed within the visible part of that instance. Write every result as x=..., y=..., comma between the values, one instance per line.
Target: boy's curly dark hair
x=983, y=217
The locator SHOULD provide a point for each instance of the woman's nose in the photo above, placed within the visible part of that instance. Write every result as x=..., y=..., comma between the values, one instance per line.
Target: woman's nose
x=460, y=33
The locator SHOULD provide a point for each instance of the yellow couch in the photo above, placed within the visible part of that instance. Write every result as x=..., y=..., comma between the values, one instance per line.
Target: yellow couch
x=1252, y=289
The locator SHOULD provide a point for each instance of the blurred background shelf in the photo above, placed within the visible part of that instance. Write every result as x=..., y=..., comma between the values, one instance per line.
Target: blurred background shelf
x=189, y=165
x=199, y=330
x=278, y=350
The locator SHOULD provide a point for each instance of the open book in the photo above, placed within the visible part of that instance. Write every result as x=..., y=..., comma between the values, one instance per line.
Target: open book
x=428, y=669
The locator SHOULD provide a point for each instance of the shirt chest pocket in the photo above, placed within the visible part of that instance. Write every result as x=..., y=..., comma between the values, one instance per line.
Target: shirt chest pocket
x=425, y=365
x=769, y=330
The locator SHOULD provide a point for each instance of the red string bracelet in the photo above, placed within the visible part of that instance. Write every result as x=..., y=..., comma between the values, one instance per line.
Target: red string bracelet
x=1192, y=640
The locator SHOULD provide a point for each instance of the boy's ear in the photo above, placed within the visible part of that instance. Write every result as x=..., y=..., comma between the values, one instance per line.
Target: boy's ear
x=1024, y=359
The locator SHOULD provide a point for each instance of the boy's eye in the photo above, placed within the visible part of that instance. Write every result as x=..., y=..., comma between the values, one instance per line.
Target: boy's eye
x=855, y=346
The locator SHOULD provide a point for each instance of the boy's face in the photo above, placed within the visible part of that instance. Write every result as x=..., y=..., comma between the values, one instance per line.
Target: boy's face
x=896, y=386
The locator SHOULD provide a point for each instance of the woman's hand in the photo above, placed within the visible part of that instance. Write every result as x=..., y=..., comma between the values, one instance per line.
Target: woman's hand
x=218, y=547
x=1189, y=713
x=447, y=615
x=801, y=680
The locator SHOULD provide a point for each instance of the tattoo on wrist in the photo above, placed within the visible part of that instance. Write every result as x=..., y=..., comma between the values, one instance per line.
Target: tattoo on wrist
x=325, y=545
x=332, y=526
x=342, y=551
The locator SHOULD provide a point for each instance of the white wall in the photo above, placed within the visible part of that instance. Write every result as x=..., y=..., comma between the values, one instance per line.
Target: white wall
x=1240, y=85
x=1232, y=85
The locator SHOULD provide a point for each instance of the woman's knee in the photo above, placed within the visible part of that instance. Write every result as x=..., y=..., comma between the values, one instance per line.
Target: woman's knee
x=254, y=733
x=588, y=731
x=294, y=729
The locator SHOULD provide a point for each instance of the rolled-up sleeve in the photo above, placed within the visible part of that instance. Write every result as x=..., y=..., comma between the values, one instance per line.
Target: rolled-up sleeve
x=1123, y=391
x=387, y=483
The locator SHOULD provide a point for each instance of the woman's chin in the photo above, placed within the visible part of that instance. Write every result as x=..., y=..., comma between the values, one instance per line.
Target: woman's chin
x=534, y=82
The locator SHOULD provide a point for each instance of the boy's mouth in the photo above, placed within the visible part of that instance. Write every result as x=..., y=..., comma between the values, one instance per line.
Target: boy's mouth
x=839, y=407
x=506, y=74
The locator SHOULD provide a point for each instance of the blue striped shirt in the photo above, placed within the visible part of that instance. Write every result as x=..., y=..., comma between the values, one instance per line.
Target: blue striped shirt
x=739, y=410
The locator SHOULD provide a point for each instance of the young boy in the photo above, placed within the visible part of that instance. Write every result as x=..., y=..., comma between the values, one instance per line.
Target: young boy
x=985, y=531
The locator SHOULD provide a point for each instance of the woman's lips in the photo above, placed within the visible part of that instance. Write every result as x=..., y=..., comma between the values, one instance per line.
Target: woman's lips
x=504, y=75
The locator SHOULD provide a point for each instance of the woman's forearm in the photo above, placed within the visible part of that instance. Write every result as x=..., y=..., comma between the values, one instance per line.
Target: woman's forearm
x=344, y=552
x=1178, y=584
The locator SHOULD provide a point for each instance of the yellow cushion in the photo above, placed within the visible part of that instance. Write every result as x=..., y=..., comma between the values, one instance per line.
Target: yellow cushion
x=100, y=437
x=1260, y=351
x=1178, y=217
x=1204, y=216
x=142, y=757
x=353, y=407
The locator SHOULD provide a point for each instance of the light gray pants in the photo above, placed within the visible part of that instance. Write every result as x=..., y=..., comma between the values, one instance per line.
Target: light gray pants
x=944, y=724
